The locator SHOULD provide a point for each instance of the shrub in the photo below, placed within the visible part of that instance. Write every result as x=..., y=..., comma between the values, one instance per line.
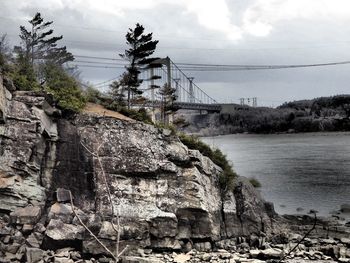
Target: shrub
x=170, y=127
x=93, y=95
x=23, y=75
x=64, y=88
x=139, y=115
x=255, y=182
x=227, y=176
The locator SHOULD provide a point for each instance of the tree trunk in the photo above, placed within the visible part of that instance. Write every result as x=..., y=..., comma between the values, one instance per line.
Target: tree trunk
x=128, y=97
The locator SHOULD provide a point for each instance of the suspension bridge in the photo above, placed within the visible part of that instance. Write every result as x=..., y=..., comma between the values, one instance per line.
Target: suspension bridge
x=188, y=95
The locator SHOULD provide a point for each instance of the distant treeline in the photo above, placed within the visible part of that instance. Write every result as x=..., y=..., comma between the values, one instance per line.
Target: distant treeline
x=321, y=114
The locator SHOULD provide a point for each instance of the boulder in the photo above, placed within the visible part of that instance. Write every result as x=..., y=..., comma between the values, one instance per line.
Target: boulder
x=34, y=240
x=27, y=215
x=62, y=195
x=132, y=259
x=34, y=255
x=182, y=258
x=272, y=253
x=166, y=243
x=57, y=230
x=61, y=211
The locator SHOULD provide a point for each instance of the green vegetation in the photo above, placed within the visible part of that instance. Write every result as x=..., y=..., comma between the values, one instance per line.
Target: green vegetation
x=141, y=47
x=317, y=115
x=64, y=88
x=23, y=75
x=255, y=182
x=139, y=115
x=93, y=95
x=168, y=98
x=228, y=175
x=38, y=65
x=5, y=54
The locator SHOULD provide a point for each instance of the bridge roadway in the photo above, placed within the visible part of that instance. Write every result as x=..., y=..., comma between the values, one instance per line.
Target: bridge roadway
x=187, y=106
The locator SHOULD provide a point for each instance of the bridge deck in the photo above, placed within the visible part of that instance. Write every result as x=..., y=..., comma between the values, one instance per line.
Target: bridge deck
x=187, y=106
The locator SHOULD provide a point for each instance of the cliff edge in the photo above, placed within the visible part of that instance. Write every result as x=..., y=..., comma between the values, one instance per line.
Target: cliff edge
x=168, y=196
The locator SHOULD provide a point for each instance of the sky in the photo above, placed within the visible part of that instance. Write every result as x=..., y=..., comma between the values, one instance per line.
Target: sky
x=253, y=32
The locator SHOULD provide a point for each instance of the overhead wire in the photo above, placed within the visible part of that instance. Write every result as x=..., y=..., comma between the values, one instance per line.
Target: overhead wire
x=232, y=67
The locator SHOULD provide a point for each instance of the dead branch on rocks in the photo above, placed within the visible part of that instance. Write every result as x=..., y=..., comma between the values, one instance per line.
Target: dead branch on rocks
x=301, y=240
x=115, y=214
x=90, y=232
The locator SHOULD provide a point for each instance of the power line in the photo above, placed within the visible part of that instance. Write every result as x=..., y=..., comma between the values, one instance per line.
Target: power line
x=97, y=62
x=105, y=82
x=92, y=66
x=101, y=58
x=222, y=67
x=226, y=67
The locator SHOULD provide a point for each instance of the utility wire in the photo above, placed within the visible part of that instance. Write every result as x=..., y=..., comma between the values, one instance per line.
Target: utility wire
x=97, y=62
x=101, y=58
x=217, y=67
x=93, y=66
x=105, y=82
x=223, y=67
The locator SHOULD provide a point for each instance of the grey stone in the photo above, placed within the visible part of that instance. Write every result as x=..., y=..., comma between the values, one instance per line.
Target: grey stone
x=40, y=228
x=63, y=260
x=27, y=215
x=13, y=248
x=62, y=195
x=27, y=228
x=182, y=258
x=131, y=259
x=166, y=243
x=62, y=212
x=330, y=241
x=345, y=240
x=255, y=253
x=206, y=257
x=272, y=253
x=75, y=255
x=34, y=240
x=57, y=230
x=202, y=246
x=63, y=252
x=6, y=239
x=34, y=255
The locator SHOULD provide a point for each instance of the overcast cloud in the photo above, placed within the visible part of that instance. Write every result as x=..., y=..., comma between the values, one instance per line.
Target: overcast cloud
x=204, y=31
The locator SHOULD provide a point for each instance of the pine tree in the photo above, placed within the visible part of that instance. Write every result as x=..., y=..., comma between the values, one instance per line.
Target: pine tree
x=168, y=96
x=141, y=47
x=117, y=90
x=38, y=44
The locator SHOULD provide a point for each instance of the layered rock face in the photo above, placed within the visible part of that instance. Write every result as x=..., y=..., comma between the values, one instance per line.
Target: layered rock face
x=27, y=150
x=168, y=196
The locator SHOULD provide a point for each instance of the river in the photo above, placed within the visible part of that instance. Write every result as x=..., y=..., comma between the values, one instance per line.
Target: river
x=297, y=171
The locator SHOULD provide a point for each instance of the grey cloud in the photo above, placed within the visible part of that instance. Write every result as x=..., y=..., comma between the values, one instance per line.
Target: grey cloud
x=184, y=40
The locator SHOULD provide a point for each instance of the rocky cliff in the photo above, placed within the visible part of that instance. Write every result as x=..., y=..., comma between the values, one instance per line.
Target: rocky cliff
x=168, y=196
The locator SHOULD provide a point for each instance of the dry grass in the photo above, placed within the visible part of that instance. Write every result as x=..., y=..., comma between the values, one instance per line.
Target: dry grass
x=92, y=108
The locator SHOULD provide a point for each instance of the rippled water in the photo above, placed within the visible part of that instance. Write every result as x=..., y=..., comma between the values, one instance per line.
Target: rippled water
x=308, y=171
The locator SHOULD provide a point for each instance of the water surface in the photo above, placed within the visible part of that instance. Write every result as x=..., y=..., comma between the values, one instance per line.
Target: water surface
x=308, y=171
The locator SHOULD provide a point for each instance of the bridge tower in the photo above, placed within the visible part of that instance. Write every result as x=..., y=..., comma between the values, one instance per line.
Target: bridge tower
x=191, y=93
x=177, y=89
